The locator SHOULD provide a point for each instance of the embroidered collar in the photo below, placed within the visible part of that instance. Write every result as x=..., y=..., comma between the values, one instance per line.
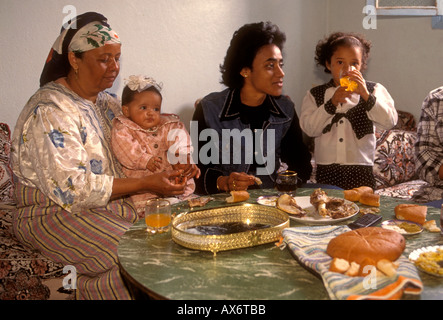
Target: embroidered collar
x=164, y=120
x=231, y=108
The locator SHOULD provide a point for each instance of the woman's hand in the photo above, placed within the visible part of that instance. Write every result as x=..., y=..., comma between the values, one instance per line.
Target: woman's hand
x=167, y=183
x=236, y=181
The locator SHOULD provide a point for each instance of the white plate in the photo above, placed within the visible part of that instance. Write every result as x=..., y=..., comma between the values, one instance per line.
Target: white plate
x=312, y=216
x=413, y=256
x=393, y=225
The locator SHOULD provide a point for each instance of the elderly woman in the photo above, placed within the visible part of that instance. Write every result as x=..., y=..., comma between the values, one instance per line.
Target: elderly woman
x=253, y=108
x=72, y=198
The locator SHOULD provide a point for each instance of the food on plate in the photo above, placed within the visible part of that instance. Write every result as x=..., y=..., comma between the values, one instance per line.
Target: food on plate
x=372, y=242
x=402, y=226
x=373, y=210
x=199, y=202
x=238, y=196
x=431, y=261
x=409, y=227
x=370, y=199
x=319, y=199
x=411, y=212
x=431, y=226
x=330, y=207
x=288, y=204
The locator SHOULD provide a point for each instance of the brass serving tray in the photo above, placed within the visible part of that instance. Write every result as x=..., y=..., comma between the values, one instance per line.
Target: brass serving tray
x=272, y=222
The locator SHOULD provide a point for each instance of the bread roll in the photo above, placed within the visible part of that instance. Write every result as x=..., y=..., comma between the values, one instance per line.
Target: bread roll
x=339, y=265
x=367, y=243
x=387, y=267
x=353, y=269
x=370, y=199
x=411, y=212
x=366, y=267
x=238, y=196
x=364, y=189
x=355, y=194
x=431, y=226
x=351, y=195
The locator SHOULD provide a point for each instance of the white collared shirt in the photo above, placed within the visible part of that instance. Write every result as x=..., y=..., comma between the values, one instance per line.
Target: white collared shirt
x=340, y=145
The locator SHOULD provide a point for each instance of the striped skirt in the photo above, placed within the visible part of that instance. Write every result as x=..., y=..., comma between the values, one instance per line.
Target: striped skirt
x=86, y=240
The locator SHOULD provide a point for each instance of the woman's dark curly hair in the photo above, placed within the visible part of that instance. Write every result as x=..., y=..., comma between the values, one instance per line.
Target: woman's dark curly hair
x=326, y=48
x=244, y=46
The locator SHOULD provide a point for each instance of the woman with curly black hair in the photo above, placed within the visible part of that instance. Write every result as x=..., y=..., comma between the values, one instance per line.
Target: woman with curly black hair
x=252, y=129
x=342, y=113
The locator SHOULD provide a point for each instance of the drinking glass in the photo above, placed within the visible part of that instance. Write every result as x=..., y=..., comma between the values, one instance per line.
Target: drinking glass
x=345, y=81
x=157, y=216
x=287, y=182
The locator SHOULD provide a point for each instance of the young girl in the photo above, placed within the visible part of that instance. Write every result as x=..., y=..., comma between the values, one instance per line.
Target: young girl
x=145, y=141
x=341, y=118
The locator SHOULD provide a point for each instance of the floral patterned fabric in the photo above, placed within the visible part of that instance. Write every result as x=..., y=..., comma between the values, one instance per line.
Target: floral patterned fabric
x=21, y=269
x=80, y=170
x=394, y=158
x=6, y=185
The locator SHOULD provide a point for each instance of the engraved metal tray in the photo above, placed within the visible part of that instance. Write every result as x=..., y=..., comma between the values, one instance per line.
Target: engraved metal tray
x=272, y=220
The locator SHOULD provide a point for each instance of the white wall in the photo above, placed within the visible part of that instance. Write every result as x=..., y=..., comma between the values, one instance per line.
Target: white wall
x=178, y=42
x=183, y=42
x=407, y=54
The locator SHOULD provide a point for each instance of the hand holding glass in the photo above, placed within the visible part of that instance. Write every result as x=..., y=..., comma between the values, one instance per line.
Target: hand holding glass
x=157, y=216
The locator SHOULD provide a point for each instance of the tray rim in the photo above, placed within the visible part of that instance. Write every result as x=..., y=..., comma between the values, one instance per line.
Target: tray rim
x=245, y=239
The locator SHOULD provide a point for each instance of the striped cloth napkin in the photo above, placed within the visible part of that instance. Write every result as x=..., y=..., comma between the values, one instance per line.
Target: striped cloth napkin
x=308, y=245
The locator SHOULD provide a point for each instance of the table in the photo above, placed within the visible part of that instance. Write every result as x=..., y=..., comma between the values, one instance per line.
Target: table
x=155, y=267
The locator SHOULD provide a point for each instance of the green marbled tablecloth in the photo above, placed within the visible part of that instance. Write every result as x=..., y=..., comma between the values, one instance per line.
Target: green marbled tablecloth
x=157, y=266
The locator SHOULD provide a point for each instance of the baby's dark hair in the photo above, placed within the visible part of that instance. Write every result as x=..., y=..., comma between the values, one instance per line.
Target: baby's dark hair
x=128, y=94
x=326, y=48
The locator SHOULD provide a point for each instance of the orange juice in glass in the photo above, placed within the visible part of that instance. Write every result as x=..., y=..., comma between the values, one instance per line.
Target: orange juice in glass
x=346, y=82
x=157, y=216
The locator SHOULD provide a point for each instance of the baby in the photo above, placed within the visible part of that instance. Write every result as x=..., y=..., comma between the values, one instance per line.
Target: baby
x=146, y=141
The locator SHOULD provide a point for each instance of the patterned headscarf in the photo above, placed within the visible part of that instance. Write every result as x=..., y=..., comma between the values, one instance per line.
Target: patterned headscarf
x=92, y=31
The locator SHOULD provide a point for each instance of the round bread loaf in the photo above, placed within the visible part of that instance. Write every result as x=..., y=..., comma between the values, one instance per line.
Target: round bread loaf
x=367, y=243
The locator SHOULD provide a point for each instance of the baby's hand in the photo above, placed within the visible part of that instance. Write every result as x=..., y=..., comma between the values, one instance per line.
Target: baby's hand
x=189, y=170
x=154, y=164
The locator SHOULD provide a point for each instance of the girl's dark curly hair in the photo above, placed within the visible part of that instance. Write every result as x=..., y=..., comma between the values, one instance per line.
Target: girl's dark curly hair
x=244, y=46
x=326, y=48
